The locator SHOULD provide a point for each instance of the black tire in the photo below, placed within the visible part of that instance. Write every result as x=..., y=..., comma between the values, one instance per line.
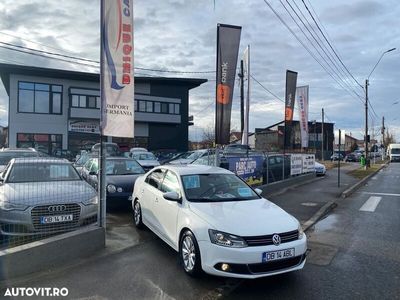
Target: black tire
x=137, y=214
x=194, y=268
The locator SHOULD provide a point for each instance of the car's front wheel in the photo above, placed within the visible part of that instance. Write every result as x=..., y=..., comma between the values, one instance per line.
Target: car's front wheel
x=189, y=253
x=137, y=214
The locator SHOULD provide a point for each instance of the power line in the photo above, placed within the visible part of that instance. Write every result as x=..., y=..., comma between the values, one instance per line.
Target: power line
x=276, y=97
x=313, y=45
x=304, y=46
x=336, y=54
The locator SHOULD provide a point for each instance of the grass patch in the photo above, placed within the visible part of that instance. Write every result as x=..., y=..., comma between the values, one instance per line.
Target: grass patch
x=332, y=164
x=361, y=173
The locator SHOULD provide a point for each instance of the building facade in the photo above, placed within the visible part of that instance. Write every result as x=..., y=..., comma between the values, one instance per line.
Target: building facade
x=53, y=110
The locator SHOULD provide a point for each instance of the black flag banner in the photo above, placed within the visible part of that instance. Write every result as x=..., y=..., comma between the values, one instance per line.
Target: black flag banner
x=291, y=82
x=228, y=40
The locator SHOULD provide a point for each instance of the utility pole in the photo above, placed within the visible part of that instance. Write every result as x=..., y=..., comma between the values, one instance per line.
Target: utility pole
x=241, y=76
x=383, y=138
x=322, y=136
x=366, y=125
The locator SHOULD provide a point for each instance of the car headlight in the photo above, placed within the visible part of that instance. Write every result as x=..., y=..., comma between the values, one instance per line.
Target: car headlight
x=12, y=206
x=226, y=239
x=94, y=200
x=301, y=232
x=111, y=188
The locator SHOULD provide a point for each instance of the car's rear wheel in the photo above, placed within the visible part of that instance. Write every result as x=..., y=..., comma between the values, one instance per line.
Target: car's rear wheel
x=137, y=214
x=189, y=253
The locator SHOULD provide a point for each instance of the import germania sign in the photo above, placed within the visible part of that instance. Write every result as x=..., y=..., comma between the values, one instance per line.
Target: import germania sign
x=117, y=81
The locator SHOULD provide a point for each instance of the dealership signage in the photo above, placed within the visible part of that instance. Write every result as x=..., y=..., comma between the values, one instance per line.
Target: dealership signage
x=84, y=126
x=117, y=80
x=228, y=40
x=302, y=163
x=250, y=169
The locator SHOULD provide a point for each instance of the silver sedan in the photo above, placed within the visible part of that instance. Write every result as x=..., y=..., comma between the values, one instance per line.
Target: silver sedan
x=40, y=196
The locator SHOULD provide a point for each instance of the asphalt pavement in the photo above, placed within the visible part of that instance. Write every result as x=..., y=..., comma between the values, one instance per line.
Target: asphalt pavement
x=355, y=254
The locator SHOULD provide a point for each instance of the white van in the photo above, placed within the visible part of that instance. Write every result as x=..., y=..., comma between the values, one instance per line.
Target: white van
x=393, y=152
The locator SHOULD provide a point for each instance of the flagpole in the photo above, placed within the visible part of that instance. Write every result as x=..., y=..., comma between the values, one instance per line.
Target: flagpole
x=102, y=173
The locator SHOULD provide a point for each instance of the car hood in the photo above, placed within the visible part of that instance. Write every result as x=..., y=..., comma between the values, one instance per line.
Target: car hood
x=245, y=218
x=38, y=193
x=124, y=181
x=148, y=163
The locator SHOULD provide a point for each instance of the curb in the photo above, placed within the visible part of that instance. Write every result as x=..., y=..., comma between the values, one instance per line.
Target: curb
x=284, y=190
x=324, y=210
x=357, y=185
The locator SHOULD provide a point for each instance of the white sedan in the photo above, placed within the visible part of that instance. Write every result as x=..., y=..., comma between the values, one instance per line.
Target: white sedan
x=217, y=223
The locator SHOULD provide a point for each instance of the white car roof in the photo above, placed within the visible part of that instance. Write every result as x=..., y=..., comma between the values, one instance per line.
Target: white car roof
x=194, y=169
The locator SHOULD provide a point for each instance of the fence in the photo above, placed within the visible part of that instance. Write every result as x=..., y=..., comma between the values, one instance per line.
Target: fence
x=41, y=197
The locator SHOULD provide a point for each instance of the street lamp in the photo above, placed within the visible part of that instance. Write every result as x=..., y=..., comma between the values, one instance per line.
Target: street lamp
x=366, y=107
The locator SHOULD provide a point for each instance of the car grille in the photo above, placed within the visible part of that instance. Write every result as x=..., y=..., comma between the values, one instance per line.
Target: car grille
x=265, y=240
x=275, y=265
x=42, y=211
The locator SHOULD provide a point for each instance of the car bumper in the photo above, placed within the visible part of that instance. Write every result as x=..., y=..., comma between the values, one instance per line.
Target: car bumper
x=247, y=262
x=25, y=223
x=320, y=172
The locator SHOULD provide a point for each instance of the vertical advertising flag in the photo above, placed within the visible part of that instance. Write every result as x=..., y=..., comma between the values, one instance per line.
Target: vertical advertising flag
x=228, y=40
x=302, y=101
x=246, y=76
x=117, y=81
x=291, y=81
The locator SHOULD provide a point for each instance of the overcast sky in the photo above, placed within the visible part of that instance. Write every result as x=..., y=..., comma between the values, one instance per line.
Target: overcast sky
x=181, y=35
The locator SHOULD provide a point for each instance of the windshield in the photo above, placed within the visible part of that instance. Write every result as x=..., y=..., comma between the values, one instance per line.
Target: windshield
x=123, y=167
x=194, y=155
x=395, y=151
x=42, y=172
x=216, y=188
x=144, y=156
x=5, y=157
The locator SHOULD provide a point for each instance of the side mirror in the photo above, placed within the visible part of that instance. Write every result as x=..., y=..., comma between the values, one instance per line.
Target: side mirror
x=172, y=196
x=258, y=191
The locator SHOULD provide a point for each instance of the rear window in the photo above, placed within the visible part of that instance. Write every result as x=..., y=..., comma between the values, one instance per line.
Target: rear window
x=5, y=157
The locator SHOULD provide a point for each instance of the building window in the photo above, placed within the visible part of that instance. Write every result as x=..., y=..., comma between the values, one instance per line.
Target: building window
x=149, y=106
x=176, y=111
x=85, y=101
x=46, y=143
x=164, y=108
x=157, y=107
x=39, y=98
x=142, y=106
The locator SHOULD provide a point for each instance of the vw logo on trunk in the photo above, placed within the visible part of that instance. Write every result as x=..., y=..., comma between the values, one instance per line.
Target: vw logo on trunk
x=276, y=239
x=57, y=208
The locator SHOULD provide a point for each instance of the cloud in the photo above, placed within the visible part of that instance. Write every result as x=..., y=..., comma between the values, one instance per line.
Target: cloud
x=181, y=35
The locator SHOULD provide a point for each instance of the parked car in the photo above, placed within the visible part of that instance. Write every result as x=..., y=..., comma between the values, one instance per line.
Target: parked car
x=191, y=156
x=121, y=174
x=336, y=157
x=195, y=210
x=320, y=169
x=6, y=154
x=82, y=160
x=138, y=149
x=111, y=149
x=236, y=148
x=273, y=168
x=146, y=159
x=41, y=196
x=352, y=157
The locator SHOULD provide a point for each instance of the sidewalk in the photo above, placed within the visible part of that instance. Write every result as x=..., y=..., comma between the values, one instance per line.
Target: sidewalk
x=304, y=201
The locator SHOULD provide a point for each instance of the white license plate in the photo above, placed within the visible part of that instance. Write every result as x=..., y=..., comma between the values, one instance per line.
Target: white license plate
x=277, y=255
x=56, y=219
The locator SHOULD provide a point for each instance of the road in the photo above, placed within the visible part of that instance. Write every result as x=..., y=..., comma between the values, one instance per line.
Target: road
x=355, y=254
